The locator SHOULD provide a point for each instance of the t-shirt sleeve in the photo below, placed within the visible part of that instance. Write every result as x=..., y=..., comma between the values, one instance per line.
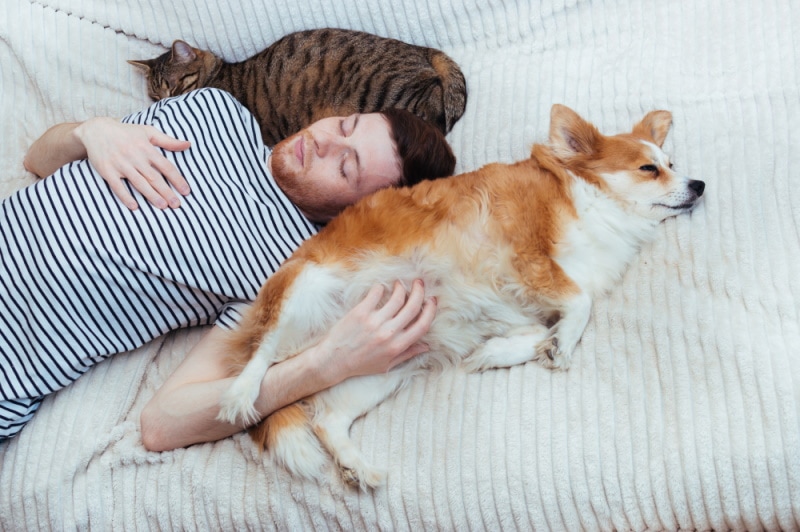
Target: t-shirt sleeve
x=231, y=315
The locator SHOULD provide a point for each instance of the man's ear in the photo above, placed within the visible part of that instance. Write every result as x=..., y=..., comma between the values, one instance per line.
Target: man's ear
x=655, y=125
x=571, y=135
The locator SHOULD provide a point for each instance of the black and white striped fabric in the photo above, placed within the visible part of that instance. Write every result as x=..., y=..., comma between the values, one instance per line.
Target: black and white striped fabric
x=82, y=277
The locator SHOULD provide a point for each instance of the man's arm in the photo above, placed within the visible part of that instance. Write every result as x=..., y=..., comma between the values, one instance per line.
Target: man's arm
x=118, y=151
x=184, y=410
x=57, y=147
x=370, y=339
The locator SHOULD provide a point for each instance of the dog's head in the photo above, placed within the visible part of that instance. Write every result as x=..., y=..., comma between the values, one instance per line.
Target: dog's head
x=631, y=167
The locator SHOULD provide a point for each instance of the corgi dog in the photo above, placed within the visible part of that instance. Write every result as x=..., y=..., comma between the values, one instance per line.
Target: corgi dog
x=513, y=253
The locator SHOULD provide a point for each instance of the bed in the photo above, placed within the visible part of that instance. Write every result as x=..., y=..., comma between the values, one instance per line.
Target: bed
x=680, y=410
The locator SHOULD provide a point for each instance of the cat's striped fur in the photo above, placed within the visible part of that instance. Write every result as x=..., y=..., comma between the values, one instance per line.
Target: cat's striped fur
x=313, y=74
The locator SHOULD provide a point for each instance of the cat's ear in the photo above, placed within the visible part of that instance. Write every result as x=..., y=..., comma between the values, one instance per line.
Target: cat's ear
x=182, y=52
x=143, y=64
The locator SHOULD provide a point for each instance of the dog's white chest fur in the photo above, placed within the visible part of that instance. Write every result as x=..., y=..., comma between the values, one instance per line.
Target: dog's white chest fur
x=603, y=240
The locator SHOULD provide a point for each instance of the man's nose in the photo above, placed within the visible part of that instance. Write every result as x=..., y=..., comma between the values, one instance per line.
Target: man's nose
x=327, y=144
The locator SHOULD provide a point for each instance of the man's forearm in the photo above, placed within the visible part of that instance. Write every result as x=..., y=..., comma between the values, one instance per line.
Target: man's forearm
x=56, y=147
x=187, y=414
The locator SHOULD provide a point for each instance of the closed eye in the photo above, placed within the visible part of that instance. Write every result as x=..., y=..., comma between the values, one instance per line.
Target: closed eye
x=649, y=168
x=346, y=129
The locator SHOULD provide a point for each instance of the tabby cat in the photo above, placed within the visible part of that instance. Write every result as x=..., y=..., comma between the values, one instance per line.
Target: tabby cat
x=313, y=74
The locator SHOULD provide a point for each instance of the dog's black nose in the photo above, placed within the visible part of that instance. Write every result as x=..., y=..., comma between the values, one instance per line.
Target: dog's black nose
x=697, y=186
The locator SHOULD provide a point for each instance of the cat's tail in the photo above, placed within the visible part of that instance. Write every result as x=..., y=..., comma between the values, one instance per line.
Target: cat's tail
x=287, y=435
x=454, y=87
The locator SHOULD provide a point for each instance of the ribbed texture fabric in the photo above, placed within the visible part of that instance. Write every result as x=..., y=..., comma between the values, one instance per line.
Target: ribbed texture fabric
x=681, y=408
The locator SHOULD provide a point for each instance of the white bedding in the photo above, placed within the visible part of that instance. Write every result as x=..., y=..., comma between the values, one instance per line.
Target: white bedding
x=681, y=408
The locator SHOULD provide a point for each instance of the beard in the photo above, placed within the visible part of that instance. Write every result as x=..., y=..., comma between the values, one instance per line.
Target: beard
x=298, y=186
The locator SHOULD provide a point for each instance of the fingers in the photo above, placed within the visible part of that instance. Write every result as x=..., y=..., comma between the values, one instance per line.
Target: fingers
x=411, y=309
x=163, y=165
x=396, y=301
x=424, y=319
x=171, y=174
x=121, y=191
x=411, y=322
x=162, y=140
x=153, y=176
x=131, y=152
x=373, y=297
x=421, y=323
x=402, y=305
x=154, y=188
x=408, y=354
x=144, y=179
x=415, y=332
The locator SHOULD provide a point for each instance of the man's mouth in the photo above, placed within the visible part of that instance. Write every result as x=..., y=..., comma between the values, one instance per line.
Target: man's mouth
x=300, y=150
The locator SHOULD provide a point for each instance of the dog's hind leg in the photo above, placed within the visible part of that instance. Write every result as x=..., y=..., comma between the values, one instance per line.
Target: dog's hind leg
x=296, y=305
x=506, y=351
x=238, y=401
x=338, y=408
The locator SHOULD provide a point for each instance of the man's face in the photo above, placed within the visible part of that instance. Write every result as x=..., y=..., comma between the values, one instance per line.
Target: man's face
x=335, y=162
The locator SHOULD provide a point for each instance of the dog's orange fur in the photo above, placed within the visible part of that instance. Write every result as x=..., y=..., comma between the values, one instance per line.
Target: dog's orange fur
x=262, y=316
x=265, y=433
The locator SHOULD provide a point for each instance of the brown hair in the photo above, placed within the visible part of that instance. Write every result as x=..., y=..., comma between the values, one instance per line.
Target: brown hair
x=424, y=152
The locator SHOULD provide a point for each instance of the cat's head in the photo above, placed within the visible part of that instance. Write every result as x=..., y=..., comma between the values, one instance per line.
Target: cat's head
x=177, y=71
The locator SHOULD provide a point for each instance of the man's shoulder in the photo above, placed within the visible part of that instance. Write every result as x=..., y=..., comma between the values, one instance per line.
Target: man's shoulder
x=205, y=102
x=207, y=114
x=206, y=98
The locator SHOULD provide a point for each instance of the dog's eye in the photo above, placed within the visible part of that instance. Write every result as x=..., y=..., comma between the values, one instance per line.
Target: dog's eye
x=649, y=168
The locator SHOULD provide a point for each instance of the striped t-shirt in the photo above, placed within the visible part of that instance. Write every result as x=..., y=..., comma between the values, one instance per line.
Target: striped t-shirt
x=82, y=277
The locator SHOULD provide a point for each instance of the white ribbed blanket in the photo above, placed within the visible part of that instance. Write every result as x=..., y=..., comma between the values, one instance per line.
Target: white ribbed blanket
x=681, y=408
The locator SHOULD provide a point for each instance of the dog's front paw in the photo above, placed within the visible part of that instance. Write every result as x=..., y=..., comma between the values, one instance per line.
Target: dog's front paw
x=363, y=477
x=550, y=355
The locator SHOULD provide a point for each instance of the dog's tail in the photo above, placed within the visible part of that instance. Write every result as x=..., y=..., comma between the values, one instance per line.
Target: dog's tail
x=287, y=435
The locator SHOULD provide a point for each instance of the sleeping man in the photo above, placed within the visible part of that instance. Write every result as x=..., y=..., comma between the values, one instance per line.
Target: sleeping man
x=104, y=256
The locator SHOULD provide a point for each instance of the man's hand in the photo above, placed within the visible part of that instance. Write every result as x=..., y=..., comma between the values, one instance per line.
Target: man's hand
x=118, y=151
x=373, y=338
x=129, y=151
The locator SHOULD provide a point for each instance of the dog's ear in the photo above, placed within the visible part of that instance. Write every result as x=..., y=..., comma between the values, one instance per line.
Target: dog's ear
x=571, y=135
x=655, y=125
